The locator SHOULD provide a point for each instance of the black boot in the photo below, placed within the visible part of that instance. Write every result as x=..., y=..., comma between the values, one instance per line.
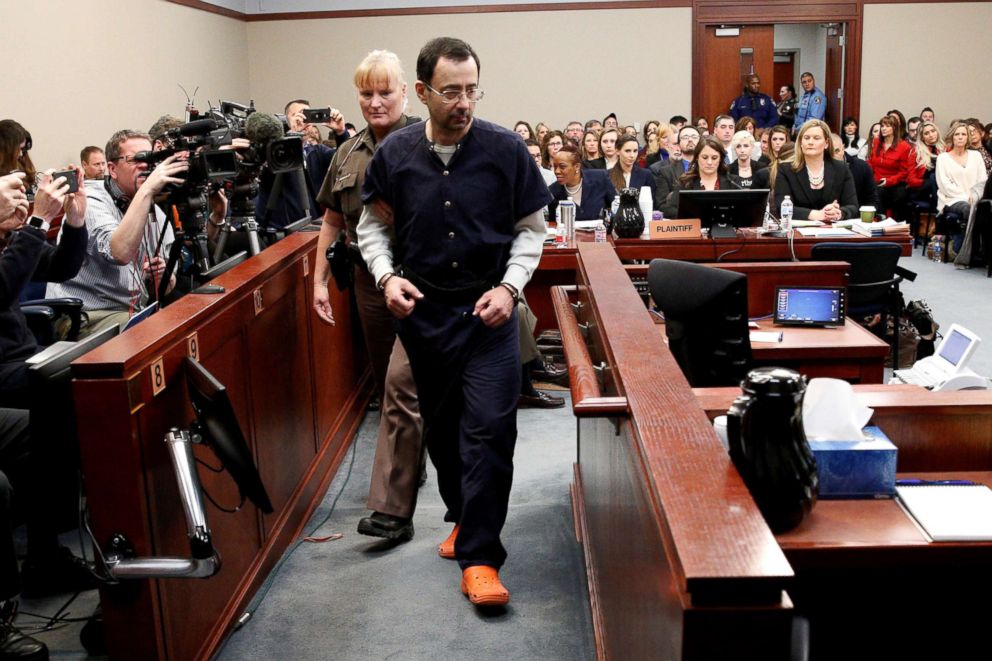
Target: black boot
x=386, y=526
x=14, y=644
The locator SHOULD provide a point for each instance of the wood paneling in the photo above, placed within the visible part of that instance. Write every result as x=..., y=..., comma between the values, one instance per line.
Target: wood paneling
x=265, y=360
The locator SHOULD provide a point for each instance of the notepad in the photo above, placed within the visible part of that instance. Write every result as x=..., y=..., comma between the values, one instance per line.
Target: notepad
x=950, y=513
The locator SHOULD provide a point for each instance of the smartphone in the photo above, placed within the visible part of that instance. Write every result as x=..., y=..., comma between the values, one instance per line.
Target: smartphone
x=70, y=177
x=317, y=115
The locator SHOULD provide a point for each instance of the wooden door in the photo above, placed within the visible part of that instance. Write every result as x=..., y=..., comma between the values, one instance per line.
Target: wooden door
x=725, y=62
x=785, y=73
x=833, y=83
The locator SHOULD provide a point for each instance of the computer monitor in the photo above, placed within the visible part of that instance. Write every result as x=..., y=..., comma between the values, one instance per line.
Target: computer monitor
x=220, y=431
x=810, y=306
x=956, y=349
x=221, y=267
x=705, y=311
x=723, y=211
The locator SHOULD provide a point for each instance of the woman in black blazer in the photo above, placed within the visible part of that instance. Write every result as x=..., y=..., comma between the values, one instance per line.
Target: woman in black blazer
x=591, y=190
x=707, y=172
x=820, y=187
x=626, y=173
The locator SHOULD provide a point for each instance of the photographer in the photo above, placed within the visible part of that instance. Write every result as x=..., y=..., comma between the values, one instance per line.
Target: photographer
x=126, y=253
x=287, y=197
x=24, y=475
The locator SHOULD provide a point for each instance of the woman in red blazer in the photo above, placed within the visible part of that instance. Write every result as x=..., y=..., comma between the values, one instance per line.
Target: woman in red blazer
x=890, y=162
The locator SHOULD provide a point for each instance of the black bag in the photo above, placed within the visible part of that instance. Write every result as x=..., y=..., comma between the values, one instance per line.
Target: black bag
x=340, y=260
x=919, y=314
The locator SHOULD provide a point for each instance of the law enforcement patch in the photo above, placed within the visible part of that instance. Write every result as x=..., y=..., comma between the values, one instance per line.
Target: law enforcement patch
x=816, y=99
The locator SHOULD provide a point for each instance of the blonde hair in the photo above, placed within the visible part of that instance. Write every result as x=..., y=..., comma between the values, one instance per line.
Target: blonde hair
x=379, y=66
x=923, y=155
x=739, y=138
x=798, y=158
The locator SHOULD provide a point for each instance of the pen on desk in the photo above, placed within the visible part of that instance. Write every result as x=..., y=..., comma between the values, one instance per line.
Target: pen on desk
x=915, y=482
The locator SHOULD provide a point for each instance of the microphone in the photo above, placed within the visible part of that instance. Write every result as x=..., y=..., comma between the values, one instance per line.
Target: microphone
x=262, y=128
x=198, y=127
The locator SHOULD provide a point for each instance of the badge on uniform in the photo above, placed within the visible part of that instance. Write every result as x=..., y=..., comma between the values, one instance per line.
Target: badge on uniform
x=762, y=102
x=816, y=99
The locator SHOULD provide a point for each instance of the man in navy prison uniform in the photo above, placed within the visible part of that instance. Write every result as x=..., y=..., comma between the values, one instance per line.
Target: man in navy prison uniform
x=452, y=230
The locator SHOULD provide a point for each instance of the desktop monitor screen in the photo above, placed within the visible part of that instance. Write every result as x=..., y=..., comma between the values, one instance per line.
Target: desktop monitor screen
x=809, y=306
x=957, y=347
x=723, y=211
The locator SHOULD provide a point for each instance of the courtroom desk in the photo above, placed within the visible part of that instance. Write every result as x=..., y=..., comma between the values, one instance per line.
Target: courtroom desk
x=557, y=266
x=679, y=561
x=745, y=248
x=948, y=431
x=848, y=352
x=298, y=389
x=656, y=497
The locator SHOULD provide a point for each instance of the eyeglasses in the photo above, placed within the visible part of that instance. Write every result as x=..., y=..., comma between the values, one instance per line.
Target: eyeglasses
x=473, y=95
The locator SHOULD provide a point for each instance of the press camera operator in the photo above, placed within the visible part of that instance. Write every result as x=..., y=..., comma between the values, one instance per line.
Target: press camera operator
x=287, y=198
x=129, y=238
x=25, y=478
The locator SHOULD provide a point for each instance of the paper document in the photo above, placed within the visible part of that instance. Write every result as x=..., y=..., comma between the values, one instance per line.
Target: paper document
x=950, y=513
x=766, y=336
x=820, y=232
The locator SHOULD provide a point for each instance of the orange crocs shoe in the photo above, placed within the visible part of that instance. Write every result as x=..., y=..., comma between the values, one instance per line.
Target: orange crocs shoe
x=482, y=586
x=447, y=547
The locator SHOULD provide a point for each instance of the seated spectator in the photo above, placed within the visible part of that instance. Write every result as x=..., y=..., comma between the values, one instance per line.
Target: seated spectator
x=976, y=141
x=662, y=151
x=923, y=160
x=961, y=176
x=723, y=130
x=611, y=122
x=743, y=167
x=124, y=259
x=778, y=137
x=649, y=151
x=820, y=187
x=591, y=190
x=626, y=173
x=873, y=134
x=311, y=135
x=677, y=122
x=590, y=146
x=15, y=145
x=535, y=152
x=667, y=175
x=747, y=124
x=594, y=125
x=899, y=117
x=607, y=150
x=94, y=163
x=573, y=132
x=853, y=143
x=761, y=137
x=553, y=141
x=25, y=454
x=542, y=130
x=707, y=172
x=524, y=130
x=912, y=128
x=889, y=161
x=864, y=182
x=702, y=126
x=927, y=114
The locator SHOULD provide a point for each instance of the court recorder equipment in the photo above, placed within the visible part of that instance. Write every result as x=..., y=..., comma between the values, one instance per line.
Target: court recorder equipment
x=810, y=306
x=947, y=369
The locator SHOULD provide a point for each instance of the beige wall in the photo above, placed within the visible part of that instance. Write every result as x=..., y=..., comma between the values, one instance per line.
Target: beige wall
x=917, y=55
x=537, y=66
x=97, y=66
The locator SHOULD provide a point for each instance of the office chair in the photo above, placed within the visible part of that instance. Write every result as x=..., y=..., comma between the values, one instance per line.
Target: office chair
x=706, y=322
x=43, y=316
x=924, y=204
x=873, y=281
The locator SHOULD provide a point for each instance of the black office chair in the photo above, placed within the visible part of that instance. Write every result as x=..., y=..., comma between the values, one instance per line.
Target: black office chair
x=43, y=317
x=873, y=282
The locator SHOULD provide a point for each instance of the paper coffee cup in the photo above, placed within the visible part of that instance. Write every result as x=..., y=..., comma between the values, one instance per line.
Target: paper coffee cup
x=867, y=213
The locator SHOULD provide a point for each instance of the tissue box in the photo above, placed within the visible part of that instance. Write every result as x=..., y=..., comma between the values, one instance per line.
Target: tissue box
x=856, y=469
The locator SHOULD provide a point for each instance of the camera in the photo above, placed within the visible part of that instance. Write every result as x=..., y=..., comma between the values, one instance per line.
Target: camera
x=317, y=115
x=70, y=178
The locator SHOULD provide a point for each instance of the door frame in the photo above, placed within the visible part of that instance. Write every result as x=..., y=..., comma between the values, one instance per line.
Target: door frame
x=715, y=12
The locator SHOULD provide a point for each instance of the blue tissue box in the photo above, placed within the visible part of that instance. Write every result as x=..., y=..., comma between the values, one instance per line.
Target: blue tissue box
x=856, y=469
